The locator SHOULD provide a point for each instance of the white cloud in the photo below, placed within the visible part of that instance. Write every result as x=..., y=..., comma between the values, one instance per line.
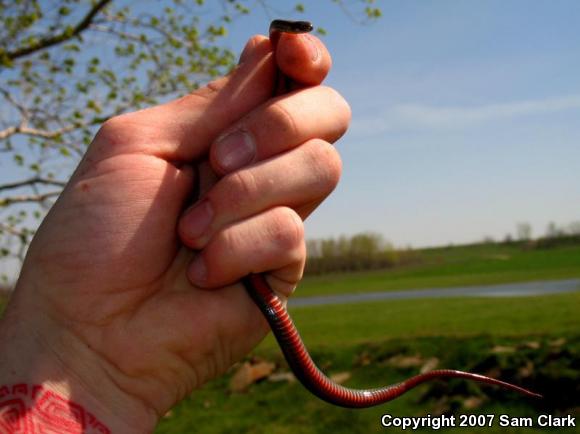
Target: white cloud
x=422, y=116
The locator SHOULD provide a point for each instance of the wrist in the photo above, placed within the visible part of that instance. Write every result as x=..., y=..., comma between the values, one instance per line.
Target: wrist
x=55, y=378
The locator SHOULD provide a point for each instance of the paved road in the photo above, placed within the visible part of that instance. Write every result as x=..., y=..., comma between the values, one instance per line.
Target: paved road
x=505, y=290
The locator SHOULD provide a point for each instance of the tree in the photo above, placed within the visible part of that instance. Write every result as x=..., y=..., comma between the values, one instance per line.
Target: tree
x=364, y=251
x=524, y=231
x=553, y=231
x=574, y=228
x=68, y=65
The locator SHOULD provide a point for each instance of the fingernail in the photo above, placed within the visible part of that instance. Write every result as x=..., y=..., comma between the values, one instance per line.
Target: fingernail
x=312, y=48
x=235, y=150
x=197, y=270
x=197, y=219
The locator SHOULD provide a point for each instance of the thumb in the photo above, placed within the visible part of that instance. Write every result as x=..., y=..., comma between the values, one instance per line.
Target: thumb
x=182, y=130
x=199, y=117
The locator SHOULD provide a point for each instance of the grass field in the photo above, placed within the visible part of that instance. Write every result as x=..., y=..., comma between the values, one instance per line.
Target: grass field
x=533, y=341
x=455, y=266
x=460, y=332
x=341, y=325
x=528, y=333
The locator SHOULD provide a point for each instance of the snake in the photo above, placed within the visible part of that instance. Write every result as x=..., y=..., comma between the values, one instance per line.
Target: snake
x=288, y=337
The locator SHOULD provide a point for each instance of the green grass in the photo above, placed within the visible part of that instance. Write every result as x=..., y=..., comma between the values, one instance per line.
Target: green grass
x=280, y=408
x=460, y=332
x=339, y=325
x=481, y=264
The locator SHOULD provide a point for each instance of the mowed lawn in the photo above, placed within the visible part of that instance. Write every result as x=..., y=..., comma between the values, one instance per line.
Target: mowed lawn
x=534, y=341
x=481, y=264
x=339, y=325
x=360, y=339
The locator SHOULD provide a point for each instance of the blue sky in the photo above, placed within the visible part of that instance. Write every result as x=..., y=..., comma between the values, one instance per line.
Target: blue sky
x=466, y=118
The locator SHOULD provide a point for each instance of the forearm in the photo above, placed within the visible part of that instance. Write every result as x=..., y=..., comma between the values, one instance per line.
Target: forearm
x=56, y=383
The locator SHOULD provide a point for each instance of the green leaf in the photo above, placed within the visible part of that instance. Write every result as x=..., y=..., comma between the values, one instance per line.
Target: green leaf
x=92, y=105
x=18, y=159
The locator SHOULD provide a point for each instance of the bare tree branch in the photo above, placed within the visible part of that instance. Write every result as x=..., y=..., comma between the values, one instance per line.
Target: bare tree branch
x=23, y=129
x=8, y=96
x=12, y=230
x=57, y=39
x=135, y=38
x=44, y=133
x=32, y=181
x=28, y=198
x=10, y=131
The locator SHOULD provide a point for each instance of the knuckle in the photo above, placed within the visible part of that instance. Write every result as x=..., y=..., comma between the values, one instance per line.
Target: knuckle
x=115, y=122
x=113, y=129
x=220, y=253
x=238, y=188
x=286, y=229
x=203, y=95
x=325, y=162
x=282, y=119
x=211, y=88
x=225, y=240
x=342, y=111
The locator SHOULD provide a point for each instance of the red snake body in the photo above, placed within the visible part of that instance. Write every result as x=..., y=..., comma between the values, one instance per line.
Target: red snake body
x=289, y=339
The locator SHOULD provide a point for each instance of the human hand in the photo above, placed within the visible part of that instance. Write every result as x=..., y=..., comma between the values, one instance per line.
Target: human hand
x=113, y=306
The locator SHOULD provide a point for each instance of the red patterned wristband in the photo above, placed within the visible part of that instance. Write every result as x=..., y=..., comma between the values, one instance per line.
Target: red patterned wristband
x=33, y=409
